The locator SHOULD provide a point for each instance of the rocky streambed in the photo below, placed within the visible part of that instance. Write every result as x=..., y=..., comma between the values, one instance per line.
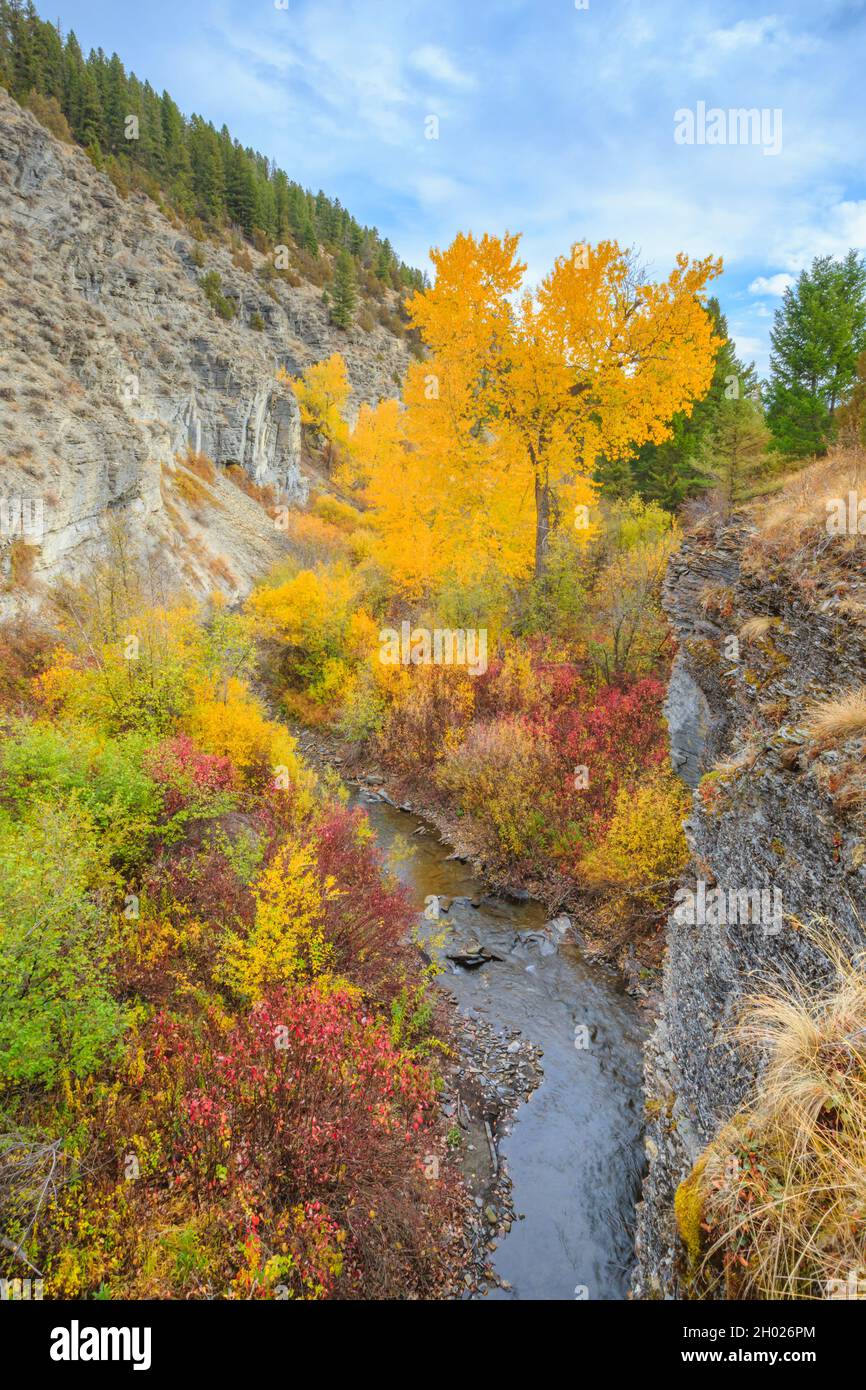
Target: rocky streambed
x=546, y=1099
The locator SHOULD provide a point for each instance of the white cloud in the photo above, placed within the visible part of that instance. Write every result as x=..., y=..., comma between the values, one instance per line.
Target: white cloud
x=435, y=62
x=831, y=231
x=748, y=347
x=745, y=34
x=767, y=41
x=437, y=188
x=772, y=284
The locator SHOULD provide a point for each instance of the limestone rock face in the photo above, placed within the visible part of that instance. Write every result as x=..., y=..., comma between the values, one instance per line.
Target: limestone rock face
x=113, y=363
x=765, y=825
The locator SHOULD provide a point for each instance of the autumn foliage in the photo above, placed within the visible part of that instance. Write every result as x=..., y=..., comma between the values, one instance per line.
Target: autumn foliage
x=206, y=1032
x=219, y=1049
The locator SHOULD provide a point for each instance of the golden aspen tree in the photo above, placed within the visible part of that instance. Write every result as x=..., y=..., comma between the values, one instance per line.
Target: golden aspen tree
x=597, y=360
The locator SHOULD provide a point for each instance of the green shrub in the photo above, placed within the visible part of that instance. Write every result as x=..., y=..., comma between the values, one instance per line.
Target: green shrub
x=102, y=775
x=211, y=283
x=56, y=1009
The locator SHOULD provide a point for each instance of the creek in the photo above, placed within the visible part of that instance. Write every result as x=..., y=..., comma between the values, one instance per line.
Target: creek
x=574, y=1151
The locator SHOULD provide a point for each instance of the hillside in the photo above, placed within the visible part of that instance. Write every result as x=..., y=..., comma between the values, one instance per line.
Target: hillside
x=114, y=364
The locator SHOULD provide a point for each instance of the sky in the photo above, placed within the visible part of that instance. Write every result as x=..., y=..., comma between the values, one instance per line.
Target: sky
x=559, y=119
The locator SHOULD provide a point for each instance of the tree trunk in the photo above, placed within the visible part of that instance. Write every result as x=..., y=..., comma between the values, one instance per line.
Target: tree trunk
x=542, y=524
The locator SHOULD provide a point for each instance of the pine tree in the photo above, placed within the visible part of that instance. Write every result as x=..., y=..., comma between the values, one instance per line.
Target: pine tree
x=818, y=334
x=115, y=102
x=383, y=262
x=208, y=178
x=49, y=49
x=735, y=449
x=240, y=189
x=345, y=291
x=309, y=240
x=25, y=59
x=89, y=129
x=356, y=239
x=177, y=159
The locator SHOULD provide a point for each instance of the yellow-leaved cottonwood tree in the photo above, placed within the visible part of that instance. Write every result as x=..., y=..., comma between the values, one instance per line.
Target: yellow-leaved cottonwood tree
x=522, y=393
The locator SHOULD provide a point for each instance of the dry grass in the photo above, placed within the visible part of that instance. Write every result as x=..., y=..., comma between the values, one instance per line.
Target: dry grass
x=717, y=598
x=783, y=1188
x=220, y=569
x=200, y=464
x=22, y=559
x=844, y=784
x=189, y=486
x=803, y=499
x=265, y=495
x=834, y=721
x=755, y=629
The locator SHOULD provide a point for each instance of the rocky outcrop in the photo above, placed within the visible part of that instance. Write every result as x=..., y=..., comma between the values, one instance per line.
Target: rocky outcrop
x=114, y=363
x=761, y=820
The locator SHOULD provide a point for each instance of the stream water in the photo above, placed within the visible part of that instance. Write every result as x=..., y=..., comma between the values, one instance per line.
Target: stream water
x=574, y=1153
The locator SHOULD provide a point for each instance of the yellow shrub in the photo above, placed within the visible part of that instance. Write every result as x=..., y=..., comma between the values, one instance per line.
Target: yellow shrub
x=287, y=942
x=338, y=513
x=645, y=847
x=314, y=539
x=237, y=728
x=309, y=610
x=137, y=679
x=56, y=683
x=501, y=772
x=362, y=636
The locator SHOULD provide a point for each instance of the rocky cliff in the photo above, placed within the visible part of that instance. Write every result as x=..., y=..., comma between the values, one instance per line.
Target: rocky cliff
x=113, y=363
x=767, y=623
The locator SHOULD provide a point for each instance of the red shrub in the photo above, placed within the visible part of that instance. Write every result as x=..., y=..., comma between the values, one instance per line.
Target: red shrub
x=25, y=652
x=199, y=881
x=619, y=736
x=307, y=1123
x=370, y=921
x=190, y=777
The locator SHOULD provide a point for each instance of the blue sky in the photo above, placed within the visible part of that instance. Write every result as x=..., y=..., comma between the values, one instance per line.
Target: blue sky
x=554, y=121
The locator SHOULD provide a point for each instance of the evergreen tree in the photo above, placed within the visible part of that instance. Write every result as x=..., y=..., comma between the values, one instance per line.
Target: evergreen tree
x=383, y=262
x=735, y=449
x=89, y=119
x=49, y=50
x=114, y=103
x=345, y=291
x=309, y=241
x=818, y=334
x=177, y=158
x=26, y=75
x=207, y=170
x=356, y=239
